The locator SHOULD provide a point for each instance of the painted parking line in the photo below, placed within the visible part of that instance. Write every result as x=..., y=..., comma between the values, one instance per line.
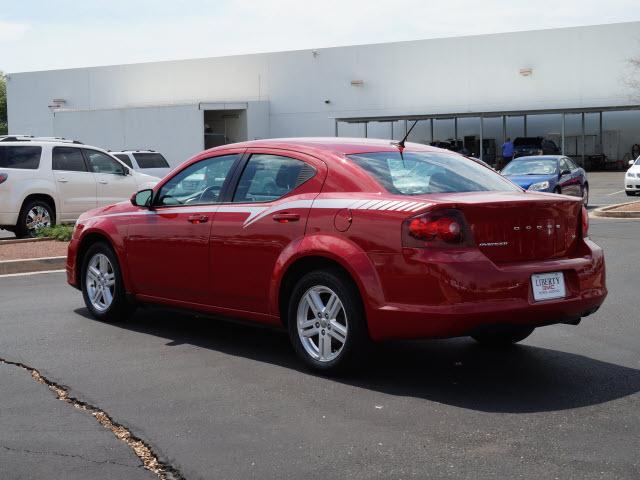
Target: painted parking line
x=30, y=273
x=615, y=193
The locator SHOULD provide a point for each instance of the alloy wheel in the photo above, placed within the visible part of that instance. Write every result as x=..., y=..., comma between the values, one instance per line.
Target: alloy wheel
x=38, y=217
x=100, y=282
x=322, y=323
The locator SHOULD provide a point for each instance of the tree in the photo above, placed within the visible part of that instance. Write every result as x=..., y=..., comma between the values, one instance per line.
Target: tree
x=3, y=104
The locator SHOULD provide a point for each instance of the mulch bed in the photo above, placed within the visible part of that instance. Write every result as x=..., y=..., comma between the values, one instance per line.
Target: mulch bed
x=18, y=251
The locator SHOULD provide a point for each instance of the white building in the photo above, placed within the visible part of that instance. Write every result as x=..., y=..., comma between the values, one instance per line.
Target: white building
x=565, y=84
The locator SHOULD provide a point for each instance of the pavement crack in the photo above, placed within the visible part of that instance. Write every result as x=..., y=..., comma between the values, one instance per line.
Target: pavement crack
x=67, y=455
x=143, y=451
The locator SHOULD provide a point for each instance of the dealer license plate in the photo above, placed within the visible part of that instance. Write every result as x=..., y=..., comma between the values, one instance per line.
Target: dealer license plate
x=547, y=286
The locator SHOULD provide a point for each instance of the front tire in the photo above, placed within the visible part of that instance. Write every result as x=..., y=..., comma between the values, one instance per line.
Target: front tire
x=503, y=335
x=326, y=322
x=34, y=215
x=102, y=286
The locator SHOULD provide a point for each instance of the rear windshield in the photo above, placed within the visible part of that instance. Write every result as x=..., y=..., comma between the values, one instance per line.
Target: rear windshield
x=531, y=166
x=418, y=173
x=124, y=158
x=527, y=141
x=25, y=157
x=150, y=160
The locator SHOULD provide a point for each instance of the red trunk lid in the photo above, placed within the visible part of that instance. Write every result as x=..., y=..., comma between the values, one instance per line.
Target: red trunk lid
x=516, y=227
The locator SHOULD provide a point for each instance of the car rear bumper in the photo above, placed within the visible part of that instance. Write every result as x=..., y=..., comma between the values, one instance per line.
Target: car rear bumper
x=471, y=302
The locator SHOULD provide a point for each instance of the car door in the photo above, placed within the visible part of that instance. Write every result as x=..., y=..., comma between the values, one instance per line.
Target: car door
x=114, y=184
x=268, y=211
x=579, y=176
x=168, y=245
x=76, y=186
x=568, y=182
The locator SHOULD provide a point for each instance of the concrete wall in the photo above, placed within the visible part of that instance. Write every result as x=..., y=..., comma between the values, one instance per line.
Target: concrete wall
x=572, y=68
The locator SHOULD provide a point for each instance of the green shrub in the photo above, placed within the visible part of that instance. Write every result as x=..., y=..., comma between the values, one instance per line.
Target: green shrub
x=61, y=233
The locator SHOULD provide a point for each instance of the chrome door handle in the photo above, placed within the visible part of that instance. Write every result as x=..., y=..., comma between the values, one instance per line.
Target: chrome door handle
x=63, y=180
x=103, y=182
x=198, y=219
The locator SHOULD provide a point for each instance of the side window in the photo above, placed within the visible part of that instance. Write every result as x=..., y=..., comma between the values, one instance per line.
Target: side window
x=564, y=165
x=150, y=160
x=26, y=157
x=68, y=159
x=124, y=158
x=197, y=184
x=268, y=177
x=102, y=163
x=572, y=164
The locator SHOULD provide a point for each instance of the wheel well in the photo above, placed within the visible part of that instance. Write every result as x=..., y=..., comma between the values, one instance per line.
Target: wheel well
x=86, y=243
x=43, y=197
x=297, y=270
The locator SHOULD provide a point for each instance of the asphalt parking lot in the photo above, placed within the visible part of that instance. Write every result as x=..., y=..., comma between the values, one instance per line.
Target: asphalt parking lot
x=217, y=400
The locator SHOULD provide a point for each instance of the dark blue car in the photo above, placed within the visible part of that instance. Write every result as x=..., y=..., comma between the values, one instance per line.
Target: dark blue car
x=549, y=173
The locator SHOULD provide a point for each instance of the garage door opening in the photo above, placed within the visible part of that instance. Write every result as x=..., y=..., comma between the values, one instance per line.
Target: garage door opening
x=224, y=126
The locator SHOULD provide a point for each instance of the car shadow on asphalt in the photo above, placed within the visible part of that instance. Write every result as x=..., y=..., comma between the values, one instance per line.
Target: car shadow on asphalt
x=458, y=372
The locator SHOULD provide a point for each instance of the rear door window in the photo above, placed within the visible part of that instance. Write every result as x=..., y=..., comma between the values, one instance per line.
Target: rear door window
x=268, y=177
x=22, y=157
x=68, y=159
x=151, y=160
x=102, y=163
x=419, y=173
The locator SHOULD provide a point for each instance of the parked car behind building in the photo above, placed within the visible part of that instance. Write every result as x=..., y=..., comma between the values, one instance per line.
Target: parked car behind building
x=44, y=181
x=523, y=146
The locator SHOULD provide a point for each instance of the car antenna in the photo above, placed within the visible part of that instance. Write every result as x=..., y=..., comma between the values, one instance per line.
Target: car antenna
x=400, y=144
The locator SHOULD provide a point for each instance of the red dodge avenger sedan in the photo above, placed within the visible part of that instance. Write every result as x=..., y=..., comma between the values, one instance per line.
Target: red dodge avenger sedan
x=343, y=242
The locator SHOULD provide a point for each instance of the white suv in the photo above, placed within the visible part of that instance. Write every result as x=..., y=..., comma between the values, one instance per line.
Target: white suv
x=144, y=161
x=44, y=181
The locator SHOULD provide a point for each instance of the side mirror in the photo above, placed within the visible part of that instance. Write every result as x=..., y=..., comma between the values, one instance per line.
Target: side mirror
x=631, y=162
x=142, y=198
x=565, y=172
x=126, y=171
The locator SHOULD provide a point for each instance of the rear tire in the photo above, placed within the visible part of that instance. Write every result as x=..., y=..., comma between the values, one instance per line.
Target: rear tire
x=35, y=214
x=585, y=195
x=503, y=335
x=102, y=286
x=326, y=322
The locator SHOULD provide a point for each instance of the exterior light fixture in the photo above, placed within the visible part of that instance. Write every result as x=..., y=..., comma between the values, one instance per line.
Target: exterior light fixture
x=57, y=103
x=526, y=72
x=357, y=83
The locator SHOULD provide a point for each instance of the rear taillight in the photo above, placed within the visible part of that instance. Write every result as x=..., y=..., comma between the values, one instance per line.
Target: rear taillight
x=433, y=229
x=585, y=222
x=3, y=177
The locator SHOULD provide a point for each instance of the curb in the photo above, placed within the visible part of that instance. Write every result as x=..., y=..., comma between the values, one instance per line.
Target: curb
x=32, y=265
x=9, y=241
x=606, y=211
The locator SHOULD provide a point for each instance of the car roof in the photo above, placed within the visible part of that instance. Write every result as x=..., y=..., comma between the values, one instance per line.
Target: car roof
x=339, y=145
x=539, y=157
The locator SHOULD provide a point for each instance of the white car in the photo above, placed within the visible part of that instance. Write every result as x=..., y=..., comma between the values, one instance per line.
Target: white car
x=44, y=181
x=144, y=161
x=632, y=177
